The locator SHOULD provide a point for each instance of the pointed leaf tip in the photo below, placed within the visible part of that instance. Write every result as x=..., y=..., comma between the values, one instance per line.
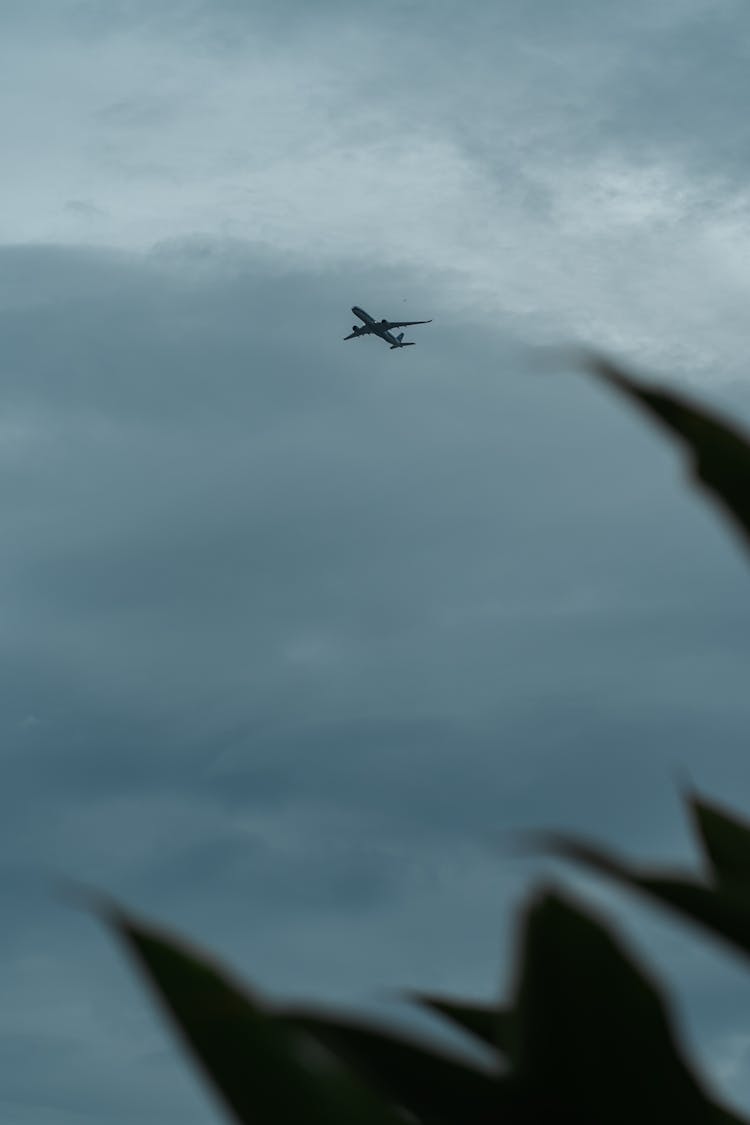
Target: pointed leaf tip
x=260, y=1068
x=426, y=1081
x=720, y=450
x=595, y=1041
x=489, y=1023
x=725, y=840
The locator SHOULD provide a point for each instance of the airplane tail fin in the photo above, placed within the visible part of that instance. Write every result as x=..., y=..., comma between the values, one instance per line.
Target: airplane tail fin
x=400, y=344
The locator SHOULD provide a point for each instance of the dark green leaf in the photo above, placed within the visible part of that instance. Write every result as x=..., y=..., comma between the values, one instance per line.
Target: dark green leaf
x=430, y=1084
x=720, y=452
x=264, y=1070
x=594, y=1043
x=723, y=910
x=487, y=1022
x=725, y=840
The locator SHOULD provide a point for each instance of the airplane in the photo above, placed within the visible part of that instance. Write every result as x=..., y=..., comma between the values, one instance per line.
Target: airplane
x=382, y=328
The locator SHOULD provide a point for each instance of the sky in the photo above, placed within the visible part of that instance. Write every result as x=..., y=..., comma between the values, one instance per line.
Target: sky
x=294, y=632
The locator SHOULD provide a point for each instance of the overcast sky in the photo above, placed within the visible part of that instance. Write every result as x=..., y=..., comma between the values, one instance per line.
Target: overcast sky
x=292, y=630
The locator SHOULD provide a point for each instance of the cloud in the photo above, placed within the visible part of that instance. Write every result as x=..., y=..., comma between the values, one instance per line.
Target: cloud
x=527, y=178
x=309, y=583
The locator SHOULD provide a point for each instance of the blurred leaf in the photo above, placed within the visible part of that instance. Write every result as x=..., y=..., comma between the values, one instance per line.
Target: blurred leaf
x=594, y=1043
x=720, y=451
x=264, y=1071
x=725, y=840
x=430, y=1084
x=723, y=910
x=487, y=1022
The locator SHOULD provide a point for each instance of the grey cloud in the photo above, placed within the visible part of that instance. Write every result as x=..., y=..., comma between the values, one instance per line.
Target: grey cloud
x=84, y=208
x=550, y=168
x=303, y=626
x=187, y=465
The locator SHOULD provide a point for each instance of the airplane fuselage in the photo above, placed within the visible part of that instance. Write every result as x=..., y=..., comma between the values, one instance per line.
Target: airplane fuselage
x=382, y=328
x=378, y=327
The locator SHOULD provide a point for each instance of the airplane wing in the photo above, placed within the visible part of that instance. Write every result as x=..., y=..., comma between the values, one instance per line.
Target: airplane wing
x=406, y=323
x=359, y=332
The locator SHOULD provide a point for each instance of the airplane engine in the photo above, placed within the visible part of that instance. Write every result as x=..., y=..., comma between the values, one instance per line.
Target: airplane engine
x=355, y=328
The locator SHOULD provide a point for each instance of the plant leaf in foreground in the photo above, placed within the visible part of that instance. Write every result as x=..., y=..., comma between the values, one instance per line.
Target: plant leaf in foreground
x=594, y=1042
x=488, y=1023
x=720, y=451
x=263, y=1069
x=720, y=902
x=433, y=1086
x=725, y=840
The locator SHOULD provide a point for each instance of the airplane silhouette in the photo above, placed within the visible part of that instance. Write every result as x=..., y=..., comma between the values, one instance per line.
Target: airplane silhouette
x=382, y=328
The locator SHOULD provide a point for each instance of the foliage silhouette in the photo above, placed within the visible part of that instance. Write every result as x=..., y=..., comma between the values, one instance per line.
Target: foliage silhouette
x=488, y=1023
x=260, y=1065
x=718, y=900
x=719, y=451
